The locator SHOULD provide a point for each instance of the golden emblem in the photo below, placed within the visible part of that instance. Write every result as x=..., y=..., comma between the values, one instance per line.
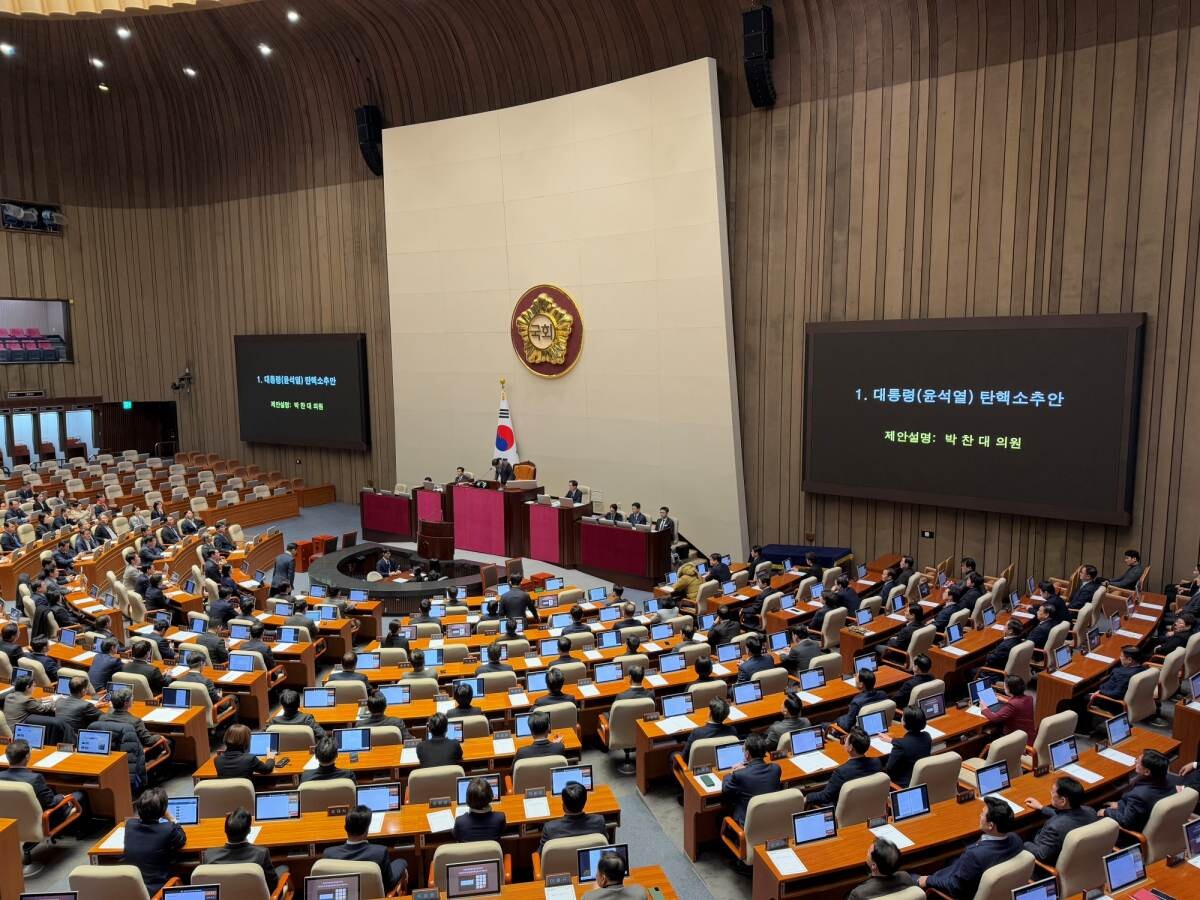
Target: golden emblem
x=545, y=328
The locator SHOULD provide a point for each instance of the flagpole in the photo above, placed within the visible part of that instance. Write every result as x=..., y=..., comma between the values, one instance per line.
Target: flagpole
x=503, y=393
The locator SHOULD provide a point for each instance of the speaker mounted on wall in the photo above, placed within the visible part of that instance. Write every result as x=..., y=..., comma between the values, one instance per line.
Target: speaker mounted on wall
x=369, y=122
x=758, y=41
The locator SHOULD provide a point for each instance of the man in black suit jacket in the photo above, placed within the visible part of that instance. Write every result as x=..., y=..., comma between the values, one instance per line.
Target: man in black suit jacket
x=755, y=777
x=1089, y=582
x=858, y=765
x=495, y=661
x=999, y=844
x=8, y=538
x=190, y=524
x=104, y=530
x=218, y=652
x=915, y=744
x=285, y=568
x=17, y=754
x=140, y=665
x=867, y=694
x=105, y=663
x=238, y=849
x=289, y=714
x=73, y=709
x=614, y=513
x=539, y=730
x=326, y=753
x=636, y=516
x=574, y=822
x=664, y=522
x=921, y=667
x=258, y=645
x=170, y=531
x=953, y=604
x=793, y=720
x=1133, y=571
x=718, y=712
x=159, y=635
x=1064, y=813
x=356, y=849
x=1013, y=635
x=151, y=844
x=1132, y=811
x=437, y=749
x=717, y=570
x=636, y=690
x=883, y=861
x=574, y=494
x=63, y=557
x=802, y=652
x=515, y=602
x=348, y=673
x=503, y=470
x=222, y=541
x=1117, y=682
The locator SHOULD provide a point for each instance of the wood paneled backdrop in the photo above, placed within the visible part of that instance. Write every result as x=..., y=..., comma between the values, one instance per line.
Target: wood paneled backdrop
x=926, y=158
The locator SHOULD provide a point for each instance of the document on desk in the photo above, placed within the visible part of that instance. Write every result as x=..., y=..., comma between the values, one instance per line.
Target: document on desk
x=560, y=892
x=52, y=760
x=1100, y=658
x=1129, y=634
x=473, y=620
x=815, y=761
x=786, y=861
x=588, y=606
x=184, y=637
x=443, y=705
x=720, y=670
x=252, y=835
x=503, y=746
x=893, y=834
x=440, y=820
x=867, y=581
x=1012, y=804
x=1121, y=759
x=408, y=756
x=1021, y=614
x=376, y=823
x=1143, y=617
x=881, y=746
x=735, y=714
x=656, y=681
x=934, y=734
x=230, y=676
x=262, y=616
x=93, y=610
x=518, y=700
x=955, y=651
x=675, y=723
x=1067, y=676
x=896, y=617
x=588, y=690
x=652, y=647
x=537, y=807
x=87, y=655
x=312, y=763
x=176, y=671
x=436, y=643
x=808, y=698
x=1155, y=606
x=1077, y=771
x=282, y=646
x=115, y=841
x=145, y=629
x=593, y=654
x=162, y=714
x=975, y=711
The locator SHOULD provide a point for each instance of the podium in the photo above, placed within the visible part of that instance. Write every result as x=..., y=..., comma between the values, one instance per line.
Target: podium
x=636, y=558
x=433, y=506
x=554, y=532
x=435, y=540
x=385, y=517
x=488, y=520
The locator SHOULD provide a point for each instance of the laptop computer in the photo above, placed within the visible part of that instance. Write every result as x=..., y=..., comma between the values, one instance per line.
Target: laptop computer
x=933, y=706
x=318, y=698
x=264, y=742
x=33, y=735
x=954, y=633
x=813, y=825
x=94, y=742
x=863, y=616
x=461, y=785
x=778, y=641
x=677, y=705
x=1124, y=868
x=1046, y=889
x=910, y=802
x=379, y=797
x=352, y=740
x=606, y=673
x=332, y=887
x=471, y=878
x=1191, y=836
x=590, y=858
x=747, y=692
x=1062, y=656
x=729, y=652
x=605, y=640
x=597, y=594
x=241, y=662
x=807, y=740
x=184, y=810
x=671, y=662
x=535, y=682
x=730, y=755
x=661, y=632
x=983, y=694
x=53, y=895
x=866, y=661
x=192, y=892
x=993, y=779
x=276, y=806
x=554, y=584
x=811, y=679
x=563, y=775
x=1064, y=753
x=873, y=723
x=396, y=694
x=176, y=698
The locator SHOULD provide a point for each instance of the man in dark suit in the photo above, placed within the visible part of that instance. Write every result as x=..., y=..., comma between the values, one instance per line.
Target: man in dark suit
x=515, y=602
x=494, y=663
x=189, y=524
x=150, y=551
x=1133, y=571
x=576, y=626
x=574, y=822
x=460, y=476
x=159, y=635
x=155, y=597
x=104, y=530
x=289, y=703
x=1089, y=582
x=866, y=695
x=756, y=660
x=39, y=649
x=8, y=538
x=464, y=694
x=554, y=687
x=717, y=570
x=285, y=568
x=636, y=690
x=503, y=470
x=105, y=663
x=574, y=494
x=1041, y=631
x=1117, y=682
x=664, y=522
x=858, y=765
x=921, y=667
x=539, y=730
x=326, y=754
x=915, y=744
x=73, y=709
x=63, y=557
x=636, y=516
x=348, y=673
x=1064, y=813
x=718, y=712
x=150, y=842
x=238, y=849
x=614, y=513
x=727, y=627
x=140, y=665
x=298, y=619
x=792, y=720
x=119, y=712
x=212, y=564
x=377, y=716
x=222, y=542
x=891, y=579
x=170, y=531
x=1132, y=811
x=17, y=754
x=385, y=566
x=883, y=862
x=257, y=645
x=437, y=749
x=756, y=776
x=1013, y=635
x=218, y=652
x=394, y=872
x=998, y=844
x=952, y=605
x=195, y=675
x=802, y=652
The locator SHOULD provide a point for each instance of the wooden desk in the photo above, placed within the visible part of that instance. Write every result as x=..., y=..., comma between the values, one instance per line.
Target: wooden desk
x=386, y=517
x=369, y=615
x=338, y=634
x=835, y=866
x=1186, y=730
x=488, y=520
x=249, y=687
x=625, y=555
x=299, y=660
x=12, y=878
x=188, y=732
x=553, y=532
x=104, y=779
x=953, y=668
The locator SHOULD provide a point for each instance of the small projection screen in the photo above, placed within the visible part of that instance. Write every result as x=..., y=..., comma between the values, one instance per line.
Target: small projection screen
x=306, y=390
x=1035, y=416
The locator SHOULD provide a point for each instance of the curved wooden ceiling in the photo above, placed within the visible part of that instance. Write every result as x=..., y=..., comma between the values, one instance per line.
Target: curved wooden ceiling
x=248, y=126
x=104, y=7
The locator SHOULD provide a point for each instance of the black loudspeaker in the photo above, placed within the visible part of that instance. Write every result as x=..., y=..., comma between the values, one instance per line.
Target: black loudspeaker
x=369, y=122
x=758, y=41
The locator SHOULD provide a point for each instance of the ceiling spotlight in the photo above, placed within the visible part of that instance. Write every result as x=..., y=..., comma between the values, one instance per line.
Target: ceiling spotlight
x=124, y=33
x=7, y=50
x=293, y=16
x=264, y=49
x=190, y=72
x=103, y=87
x=97, y=62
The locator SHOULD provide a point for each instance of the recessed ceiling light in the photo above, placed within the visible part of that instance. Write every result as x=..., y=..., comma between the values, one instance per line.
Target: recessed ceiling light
x=124, y=33
x=7, y=50
x=190, y=72
x=103, y=87
x=293, y=16
x=97, y=62
x=264, y=49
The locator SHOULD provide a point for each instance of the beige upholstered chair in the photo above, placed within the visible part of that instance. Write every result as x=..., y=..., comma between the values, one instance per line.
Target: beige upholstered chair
x=370, y=879
x=435, y=781
x=831, y=627
x=535, y=772
x=921, y=691
x=560, y=856
x=19, y=802
x=1164, y=830
x=704, y=751
x=1080, y=864
x=346, y=691
x=109, y=883
x=245, y=881
x=939, y=773
x=830, y=663
x=618, y=729
x=1007, y=748
x=294, y=738
x=219, y=796
x=1050, y=730
x=1138, y=702
x=773, y=681
x=704, y=691
x=471, y=851
x=768, y=816
x=318, y=796
x=862, y=799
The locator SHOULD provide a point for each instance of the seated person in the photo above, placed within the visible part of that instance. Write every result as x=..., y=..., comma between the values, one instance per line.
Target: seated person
x=326, y=753
x=394, y=639
x=1117, y=682
x=463, y=695
x=998, y=844
x=236, y=760
x=1089, y=582
x=921, y=668
x=953, y=604
x=377, y=716
x=394, y=872
x=636, y=690
x=858, y=765
x=418, y=670
x=576, y=626
x=437, y=749
x=718, y=712
x=574, y=822
x=539, y=730
x=1014, y=634
x=105, y=664
x=1017, y=712
x=289, y=701
x=211, y=641
x=802, y=652
x=195, y=674
x=1132, y=574
x=1178, y=635
x=830, y=601
x=119, y=702
x=554, y=686
x=494, y=663
x=73, y=709
x=17, y=770
x=867, y=694
x=727, y=627
x=1052, y=599
x=1064, y=813
x=891, y=580
x=755, y=661
x=348, y=673
x=914, y=745
x=238, y=849
x=256, y=644
x=564, y=653
x=20, y=704
x=152, y=839
x=1041, y=631
x=847, y=597
x=754, y=777
x=480, y=823
x=1132, y=811
x=39, y=650
x=703, y=667
x=717, y=570
x=792, y=720
x=914, y=618
x=883, y=862
x=610, y=881
x=629, y=620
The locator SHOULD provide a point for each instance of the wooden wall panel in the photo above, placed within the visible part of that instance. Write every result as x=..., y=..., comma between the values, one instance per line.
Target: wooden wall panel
x=926, y=158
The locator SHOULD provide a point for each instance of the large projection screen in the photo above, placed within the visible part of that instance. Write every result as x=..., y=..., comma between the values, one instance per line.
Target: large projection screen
x=1034, y=415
